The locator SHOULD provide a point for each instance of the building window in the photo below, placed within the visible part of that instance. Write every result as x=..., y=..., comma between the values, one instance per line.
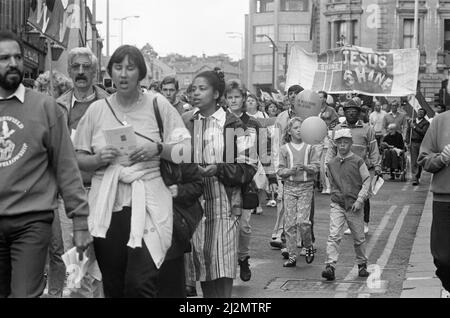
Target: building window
x=262, y=62
x=294, y=32
x=447, y=35
x=346, y=33
x=294, y=5
x=261, y=30
x=408, y=33
x=265, y=6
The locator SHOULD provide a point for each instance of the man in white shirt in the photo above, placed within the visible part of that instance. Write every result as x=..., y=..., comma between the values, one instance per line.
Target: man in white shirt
x=397, y=118
x=376, y=121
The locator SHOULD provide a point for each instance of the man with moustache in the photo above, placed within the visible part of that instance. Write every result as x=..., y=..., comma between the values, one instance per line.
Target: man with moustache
x=82, y=69
x=37, y=161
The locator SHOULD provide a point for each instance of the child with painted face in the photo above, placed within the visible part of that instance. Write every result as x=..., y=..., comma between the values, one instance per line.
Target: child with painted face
x=350, y=182
x=299, y=164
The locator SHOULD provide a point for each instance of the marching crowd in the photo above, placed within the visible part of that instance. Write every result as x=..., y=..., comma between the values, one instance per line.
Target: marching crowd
x=151, y=225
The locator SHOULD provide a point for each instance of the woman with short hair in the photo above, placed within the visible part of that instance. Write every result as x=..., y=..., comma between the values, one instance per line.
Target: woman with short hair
x=130, y=204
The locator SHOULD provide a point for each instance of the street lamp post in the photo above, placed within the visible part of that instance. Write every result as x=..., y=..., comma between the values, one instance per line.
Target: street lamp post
x=234, y=35
x=274, y=53
x=121, y=25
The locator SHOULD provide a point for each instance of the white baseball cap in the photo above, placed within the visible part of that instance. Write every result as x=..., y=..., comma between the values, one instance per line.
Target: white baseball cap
x=343, y=133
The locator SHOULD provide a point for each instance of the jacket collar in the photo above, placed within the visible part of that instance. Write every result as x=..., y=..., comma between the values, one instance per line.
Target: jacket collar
x=66, y=99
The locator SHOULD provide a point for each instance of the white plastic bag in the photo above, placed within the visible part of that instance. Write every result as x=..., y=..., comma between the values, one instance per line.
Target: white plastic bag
x=75, y=268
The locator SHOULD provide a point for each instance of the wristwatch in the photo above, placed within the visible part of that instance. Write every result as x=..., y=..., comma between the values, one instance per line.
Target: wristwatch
x=160, y=148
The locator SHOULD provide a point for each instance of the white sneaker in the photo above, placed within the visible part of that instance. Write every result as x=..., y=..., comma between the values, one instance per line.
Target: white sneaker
x=366, y=228
x=272, y=203
x=347, y=232
x=445, y=293
x=326, y=191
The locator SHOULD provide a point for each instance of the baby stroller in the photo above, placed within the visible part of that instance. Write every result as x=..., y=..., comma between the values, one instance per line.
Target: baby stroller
x=394, y=166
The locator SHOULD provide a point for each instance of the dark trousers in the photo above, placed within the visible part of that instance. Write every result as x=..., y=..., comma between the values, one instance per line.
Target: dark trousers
x=367, y=211
x=126, y=272
x=440, y=241
x=416, y=170
x=172, y=281
x=24, y=241
x=378, y=138
x=56, y=271
x=311, y=219
x=391, y=159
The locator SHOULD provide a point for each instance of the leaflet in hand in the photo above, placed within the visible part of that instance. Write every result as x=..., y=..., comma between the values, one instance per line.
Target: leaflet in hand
x=377, y=183
x=124, y=140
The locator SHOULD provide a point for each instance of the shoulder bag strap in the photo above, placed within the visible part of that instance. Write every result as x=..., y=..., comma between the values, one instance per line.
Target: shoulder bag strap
x=158, y=118
x=115, y=116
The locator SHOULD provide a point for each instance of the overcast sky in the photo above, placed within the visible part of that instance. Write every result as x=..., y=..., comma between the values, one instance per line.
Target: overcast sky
x=188, y=27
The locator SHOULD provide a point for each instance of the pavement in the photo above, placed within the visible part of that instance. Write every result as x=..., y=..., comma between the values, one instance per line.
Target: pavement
x=420, y=278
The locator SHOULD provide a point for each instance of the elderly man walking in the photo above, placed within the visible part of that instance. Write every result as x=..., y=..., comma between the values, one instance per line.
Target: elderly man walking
x=82, y=68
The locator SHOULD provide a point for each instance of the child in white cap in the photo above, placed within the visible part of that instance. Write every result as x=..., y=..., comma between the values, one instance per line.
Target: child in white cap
x=350, y=183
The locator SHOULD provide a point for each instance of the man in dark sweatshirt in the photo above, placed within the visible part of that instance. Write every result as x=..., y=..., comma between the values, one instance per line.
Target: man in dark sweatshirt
x=36, y=161
x=435, y=158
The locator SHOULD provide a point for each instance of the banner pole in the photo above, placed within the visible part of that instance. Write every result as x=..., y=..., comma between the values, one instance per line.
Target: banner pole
x=50, y=57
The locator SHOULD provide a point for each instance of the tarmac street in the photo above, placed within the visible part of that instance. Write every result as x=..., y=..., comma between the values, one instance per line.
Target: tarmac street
x=397, y=247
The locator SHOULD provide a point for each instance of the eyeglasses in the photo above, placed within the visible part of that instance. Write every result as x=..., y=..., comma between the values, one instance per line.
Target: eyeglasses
x=76, y=67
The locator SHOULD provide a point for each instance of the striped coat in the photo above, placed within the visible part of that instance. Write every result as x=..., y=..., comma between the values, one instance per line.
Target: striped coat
x=215, y=240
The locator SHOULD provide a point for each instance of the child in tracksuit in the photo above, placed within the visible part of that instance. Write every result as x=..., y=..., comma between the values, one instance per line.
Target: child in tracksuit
x=350, y=183
x=298, y=165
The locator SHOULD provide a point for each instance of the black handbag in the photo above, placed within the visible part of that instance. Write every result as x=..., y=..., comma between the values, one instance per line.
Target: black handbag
x=170, y=172
x=250, y=197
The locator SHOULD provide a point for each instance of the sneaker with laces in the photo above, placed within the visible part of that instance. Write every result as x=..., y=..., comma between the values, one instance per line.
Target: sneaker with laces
x=291, y=262
x=245, y=272
x=362, y=270
x=309, y=257
x=328, y=273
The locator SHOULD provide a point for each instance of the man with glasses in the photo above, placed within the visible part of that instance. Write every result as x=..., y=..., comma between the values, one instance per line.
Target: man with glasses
x=82, y=69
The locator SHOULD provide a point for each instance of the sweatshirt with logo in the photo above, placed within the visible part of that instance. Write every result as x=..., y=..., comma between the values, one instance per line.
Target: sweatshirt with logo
x=37, y=160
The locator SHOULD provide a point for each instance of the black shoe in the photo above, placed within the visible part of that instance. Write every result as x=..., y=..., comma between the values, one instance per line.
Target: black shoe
x=292, y=262
x=276, y=244
x=362, y=271
x=328, y=273
x=245, y=271
x=285, y=254
x=415, y=182
x=191, y=291
x=309, y=257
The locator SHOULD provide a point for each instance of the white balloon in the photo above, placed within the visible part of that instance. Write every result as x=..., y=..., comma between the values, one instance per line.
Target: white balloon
x=313, y=130
x=307, y=104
